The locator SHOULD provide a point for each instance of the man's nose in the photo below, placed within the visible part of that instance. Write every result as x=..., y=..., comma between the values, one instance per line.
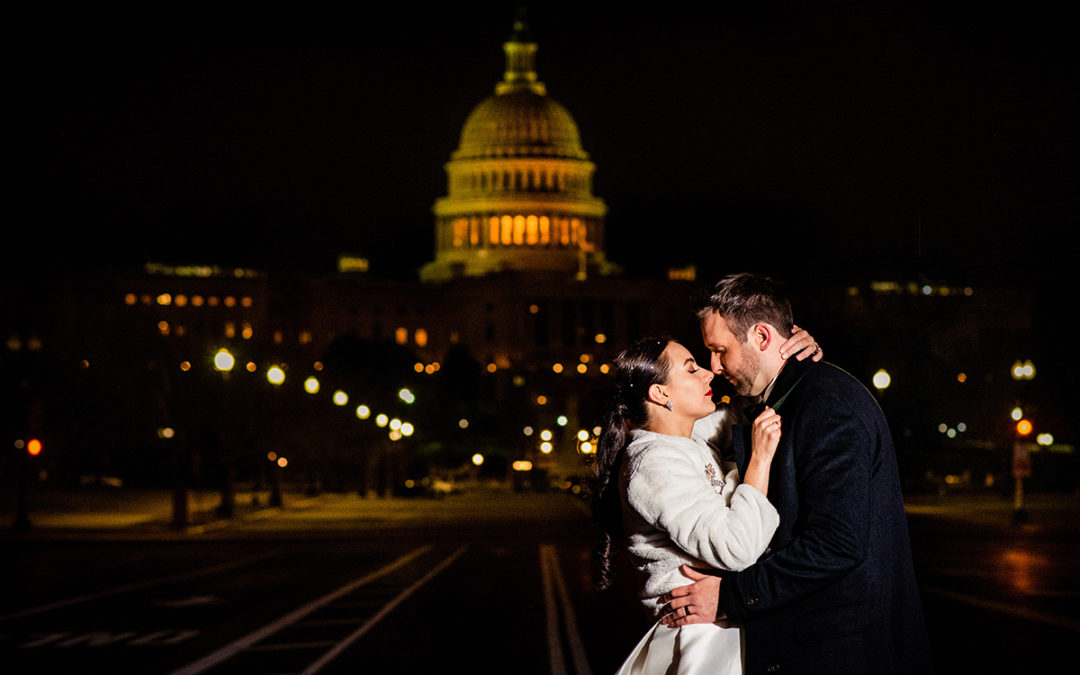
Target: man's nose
x=716, y=364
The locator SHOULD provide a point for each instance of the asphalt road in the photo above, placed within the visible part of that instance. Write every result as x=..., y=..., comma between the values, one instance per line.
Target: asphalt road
x=483, y=582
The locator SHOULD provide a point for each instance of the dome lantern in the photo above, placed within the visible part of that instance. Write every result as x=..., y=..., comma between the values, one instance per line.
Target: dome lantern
x=520, y=72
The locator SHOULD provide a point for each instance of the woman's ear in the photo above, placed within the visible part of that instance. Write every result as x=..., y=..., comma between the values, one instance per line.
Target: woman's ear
x=657, y=395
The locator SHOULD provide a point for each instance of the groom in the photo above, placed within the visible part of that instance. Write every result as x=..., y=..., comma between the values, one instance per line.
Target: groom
x=836, y=591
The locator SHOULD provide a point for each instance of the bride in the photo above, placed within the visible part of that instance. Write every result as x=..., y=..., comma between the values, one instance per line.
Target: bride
x=661, y=488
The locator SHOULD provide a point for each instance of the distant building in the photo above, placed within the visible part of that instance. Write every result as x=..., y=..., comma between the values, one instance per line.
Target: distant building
x=519, y=186
x=520, y=286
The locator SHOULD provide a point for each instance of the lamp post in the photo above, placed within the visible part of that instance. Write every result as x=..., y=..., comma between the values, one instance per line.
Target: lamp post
x=1021, y=371
x=26, y=451
x=1021, y=469
x=181, y=494
x=224, y=363
x=276, y=377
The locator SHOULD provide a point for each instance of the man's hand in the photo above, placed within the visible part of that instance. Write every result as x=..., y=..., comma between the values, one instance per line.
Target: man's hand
x=696, y=603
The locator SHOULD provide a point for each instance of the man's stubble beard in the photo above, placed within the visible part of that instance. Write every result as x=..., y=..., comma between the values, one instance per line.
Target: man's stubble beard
x=747, y=374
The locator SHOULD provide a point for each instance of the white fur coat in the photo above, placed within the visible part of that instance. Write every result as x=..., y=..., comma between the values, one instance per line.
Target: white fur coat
x=680, y=506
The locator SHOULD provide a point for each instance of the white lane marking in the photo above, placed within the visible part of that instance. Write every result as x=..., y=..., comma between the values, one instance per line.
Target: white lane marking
x=1010, y=609
x=291, y=646
x=193, y=601
x=551, y=614
x=120, y=590
x=551, y=571
x=359, y=632
x=577, y=645
x=235, y=647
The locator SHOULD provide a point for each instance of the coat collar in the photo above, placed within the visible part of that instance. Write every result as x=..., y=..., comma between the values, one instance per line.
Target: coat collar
x=792, y=372
x=790, y=376
x=784, y=382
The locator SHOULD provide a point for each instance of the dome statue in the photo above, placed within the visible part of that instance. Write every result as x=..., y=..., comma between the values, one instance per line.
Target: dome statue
x=519, y=185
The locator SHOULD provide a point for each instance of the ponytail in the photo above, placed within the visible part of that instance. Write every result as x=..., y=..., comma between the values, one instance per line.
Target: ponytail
x=636, y=368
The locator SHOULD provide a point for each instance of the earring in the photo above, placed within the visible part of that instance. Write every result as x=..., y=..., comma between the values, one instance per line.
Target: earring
x=668, y=405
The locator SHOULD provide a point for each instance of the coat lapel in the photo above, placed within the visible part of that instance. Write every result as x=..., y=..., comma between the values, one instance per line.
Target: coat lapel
x=789, y=377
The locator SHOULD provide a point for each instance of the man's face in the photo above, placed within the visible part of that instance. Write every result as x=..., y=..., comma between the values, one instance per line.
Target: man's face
x=736, y=361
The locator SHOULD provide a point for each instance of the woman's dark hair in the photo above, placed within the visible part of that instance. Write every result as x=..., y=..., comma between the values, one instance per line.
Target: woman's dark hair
x=637, y=367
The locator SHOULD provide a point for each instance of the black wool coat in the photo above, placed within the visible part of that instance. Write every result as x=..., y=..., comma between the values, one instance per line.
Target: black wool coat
x=835, y=592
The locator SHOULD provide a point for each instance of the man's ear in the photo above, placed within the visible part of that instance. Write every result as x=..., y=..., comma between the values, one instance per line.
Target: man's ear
x=762, y=335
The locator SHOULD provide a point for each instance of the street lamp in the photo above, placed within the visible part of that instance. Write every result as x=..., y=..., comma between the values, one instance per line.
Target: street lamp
x=33, y=448
x=224, y=361
x=275, y=375
x=1023, y=370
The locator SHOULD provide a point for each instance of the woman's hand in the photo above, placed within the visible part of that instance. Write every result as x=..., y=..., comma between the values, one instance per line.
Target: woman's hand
x=802, y=345
x=765, y=435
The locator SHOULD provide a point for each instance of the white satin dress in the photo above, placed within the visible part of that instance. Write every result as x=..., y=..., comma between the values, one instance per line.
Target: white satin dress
x=678, y=507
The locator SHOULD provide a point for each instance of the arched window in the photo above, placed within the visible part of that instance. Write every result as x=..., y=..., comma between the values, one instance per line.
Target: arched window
x=461, y=231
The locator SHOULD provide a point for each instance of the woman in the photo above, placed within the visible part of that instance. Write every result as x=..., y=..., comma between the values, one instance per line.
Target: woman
x=661, y=485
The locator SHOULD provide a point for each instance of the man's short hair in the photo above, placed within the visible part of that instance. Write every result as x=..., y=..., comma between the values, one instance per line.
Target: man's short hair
x=744, y=300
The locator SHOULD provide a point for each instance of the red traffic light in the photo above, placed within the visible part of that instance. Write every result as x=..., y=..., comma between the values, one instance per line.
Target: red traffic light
x=33, y=446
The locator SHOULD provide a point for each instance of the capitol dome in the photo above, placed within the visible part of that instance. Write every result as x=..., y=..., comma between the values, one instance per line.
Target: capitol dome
x=520, y=124
x=519, y=185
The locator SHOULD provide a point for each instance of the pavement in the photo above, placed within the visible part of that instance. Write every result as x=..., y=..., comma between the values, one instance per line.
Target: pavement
x=112, y=511
x=115, y=511
x=1058, y=512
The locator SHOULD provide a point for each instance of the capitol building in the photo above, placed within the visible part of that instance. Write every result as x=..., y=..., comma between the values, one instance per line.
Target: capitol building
x=503, y=342
x=519, y=186
x=518, y=286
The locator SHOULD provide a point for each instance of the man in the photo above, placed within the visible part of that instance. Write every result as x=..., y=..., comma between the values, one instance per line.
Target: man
x=835, y=592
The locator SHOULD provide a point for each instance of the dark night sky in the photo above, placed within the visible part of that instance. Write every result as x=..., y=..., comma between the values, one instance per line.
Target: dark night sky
x=874, y=139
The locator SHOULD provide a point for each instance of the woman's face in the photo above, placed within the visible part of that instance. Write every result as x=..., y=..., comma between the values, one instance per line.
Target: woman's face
x=688, y=386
